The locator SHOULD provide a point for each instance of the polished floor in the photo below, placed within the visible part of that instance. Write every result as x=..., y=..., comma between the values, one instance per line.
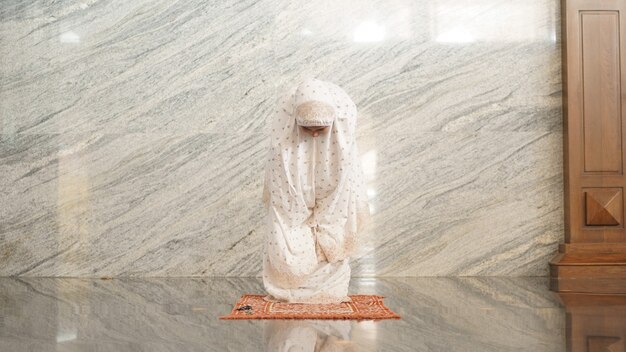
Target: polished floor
x=181, y=314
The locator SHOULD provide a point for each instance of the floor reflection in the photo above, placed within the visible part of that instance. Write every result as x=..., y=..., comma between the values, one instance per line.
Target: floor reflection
x=307, y=335
x=182, y=314
x=595, y=323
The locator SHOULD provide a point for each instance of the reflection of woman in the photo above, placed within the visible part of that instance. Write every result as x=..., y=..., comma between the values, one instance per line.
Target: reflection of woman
x=307, y=335
x=315, y=196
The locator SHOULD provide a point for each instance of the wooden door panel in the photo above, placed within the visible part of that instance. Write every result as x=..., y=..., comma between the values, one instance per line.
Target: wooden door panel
x=601, y=113
x=594, y=128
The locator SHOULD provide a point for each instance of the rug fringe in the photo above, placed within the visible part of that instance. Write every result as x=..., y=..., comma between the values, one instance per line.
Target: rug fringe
x=230, y=317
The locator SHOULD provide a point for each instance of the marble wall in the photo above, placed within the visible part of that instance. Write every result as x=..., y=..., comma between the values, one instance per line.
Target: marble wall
x=133, y=133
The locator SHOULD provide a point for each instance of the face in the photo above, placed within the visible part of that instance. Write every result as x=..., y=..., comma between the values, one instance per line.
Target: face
x=315, y=130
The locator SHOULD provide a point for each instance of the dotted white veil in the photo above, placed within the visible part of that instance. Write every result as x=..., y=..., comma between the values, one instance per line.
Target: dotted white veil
x=314, y=193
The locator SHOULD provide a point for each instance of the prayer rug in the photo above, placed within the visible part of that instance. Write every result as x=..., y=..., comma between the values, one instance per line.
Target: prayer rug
x=362, y=307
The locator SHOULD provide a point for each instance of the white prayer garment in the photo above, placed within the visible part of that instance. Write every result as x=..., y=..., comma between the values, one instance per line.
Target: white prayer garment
x=315, y=197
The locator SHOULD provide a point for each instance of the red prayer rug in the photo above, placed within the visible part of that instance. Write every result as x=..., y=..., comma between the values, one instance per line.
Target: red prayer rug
x=362, y=307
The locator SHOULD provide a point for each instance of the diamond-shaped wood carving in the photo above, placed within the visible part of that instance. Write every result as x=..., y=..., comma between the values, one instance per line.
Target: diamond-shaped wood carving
x=604, y=344
x=603, y=206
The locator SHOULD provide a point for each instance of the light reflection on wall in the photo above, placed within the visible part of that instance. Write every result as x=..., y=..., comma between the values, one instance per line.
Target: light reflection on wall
x=481, y=21
x=367, y=255
x=368, y=160
x=455, y=35
x=442, y=21
x=369, y=31
x=69, y=37
x=73, y=206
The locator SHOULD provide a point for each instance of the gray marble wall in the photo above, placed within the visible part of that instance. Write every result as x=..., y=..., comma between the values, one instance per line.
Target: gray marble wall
x=133, y=133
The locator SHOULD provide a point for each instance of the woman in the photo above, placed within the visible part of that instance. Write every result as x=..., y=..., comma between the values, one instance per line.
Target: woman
x=315, y=196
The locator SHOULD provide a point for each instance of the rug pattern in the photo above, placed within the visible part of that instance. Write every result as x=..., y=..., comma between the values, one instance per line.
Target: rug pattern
x=362, y=307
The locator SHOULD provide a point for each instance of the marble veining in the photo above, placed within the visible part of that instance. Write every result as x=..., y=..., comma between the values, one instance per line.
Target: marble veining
x=174, y=314
x=133, y=134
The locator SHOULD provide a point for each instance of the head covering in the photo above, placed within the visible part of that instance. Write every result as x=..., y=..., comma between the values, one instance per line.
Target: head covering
x=314, y=104
x=315, y=196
